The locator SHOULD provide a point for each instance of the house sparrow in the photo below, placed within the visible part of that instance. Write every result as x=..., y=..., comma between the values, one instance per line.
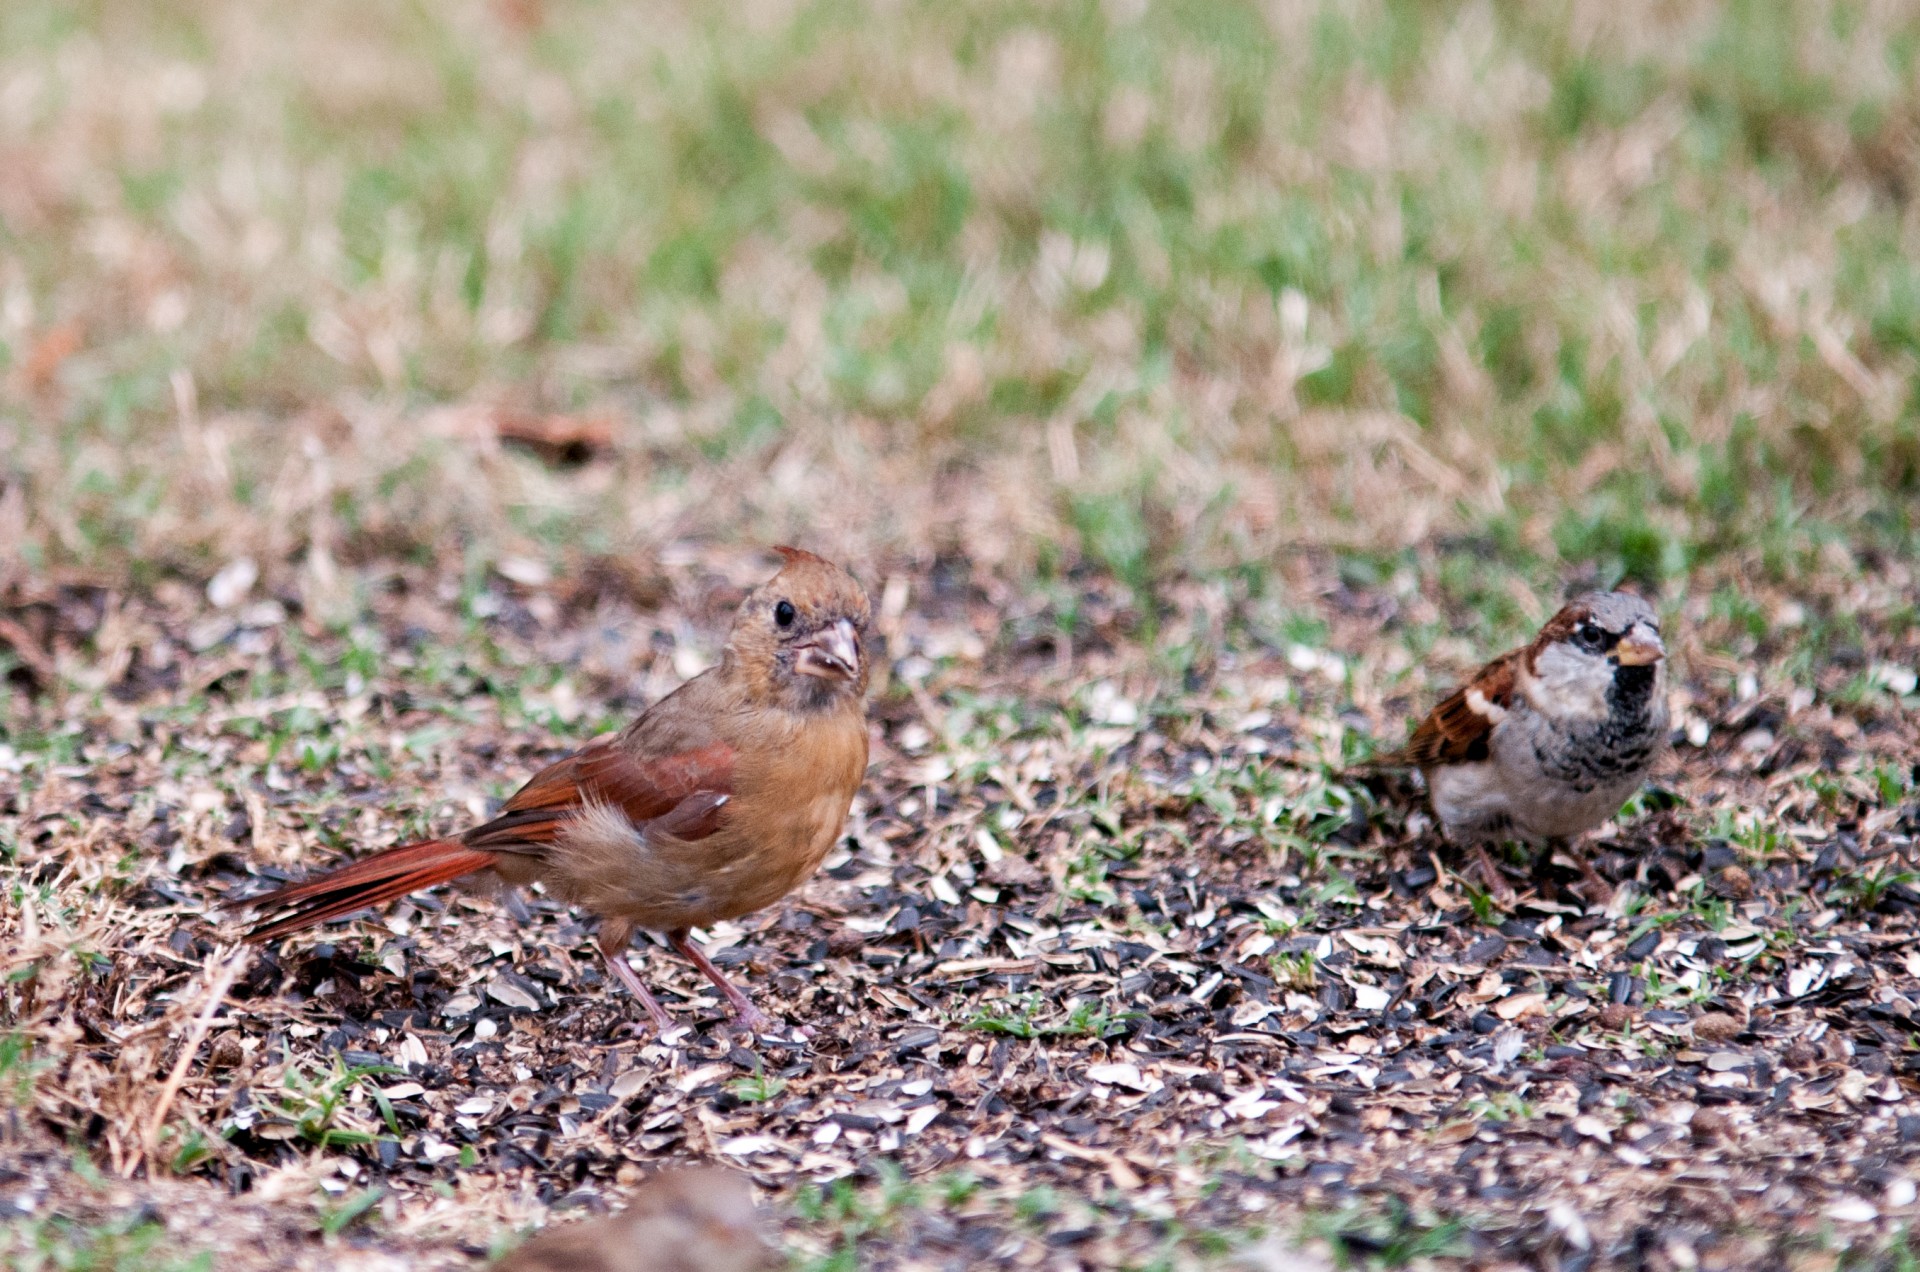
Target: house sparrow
x=719, y=799
x=700, y=1219
x=1547, y=742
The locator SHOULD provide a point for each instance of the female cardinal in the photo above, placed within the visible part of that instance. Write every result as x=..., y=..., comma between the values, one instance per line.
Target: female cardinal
x=720, y=799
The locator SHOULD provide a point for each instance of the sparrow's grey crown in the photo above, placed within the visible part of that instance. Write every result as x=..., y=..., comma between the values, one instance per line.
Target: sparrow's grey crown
x=1618, y=611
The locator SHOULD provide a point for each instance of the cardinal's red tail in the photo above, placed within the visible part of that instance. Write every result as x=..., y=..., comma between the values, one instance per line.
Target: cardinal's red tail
x=381, y=877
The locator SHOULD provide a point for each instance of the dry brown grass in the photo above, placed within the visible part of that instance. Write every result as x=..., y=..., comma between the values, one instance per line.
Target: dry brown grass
x=1250, y=278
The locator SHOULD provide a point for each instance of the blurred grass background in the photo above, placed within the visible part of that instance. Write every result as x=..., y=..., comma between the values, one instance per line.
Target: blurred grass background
x=1477, y=299
x=1162, y=288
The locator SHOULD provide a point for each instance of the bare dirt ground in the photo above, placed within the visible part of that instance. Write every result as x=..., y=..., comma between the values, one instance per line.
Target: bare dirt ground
x=1116, y=968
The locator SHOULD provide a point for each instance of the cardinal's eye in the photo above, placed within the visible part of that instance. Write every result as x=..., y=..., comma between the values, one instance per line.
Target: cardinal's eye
x=783, y=613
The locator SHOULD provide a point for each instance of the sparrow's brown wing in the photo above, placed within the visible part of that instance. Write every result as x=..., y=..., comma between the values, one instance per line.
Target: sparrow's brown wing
x=1457, y=731
x=682, y=794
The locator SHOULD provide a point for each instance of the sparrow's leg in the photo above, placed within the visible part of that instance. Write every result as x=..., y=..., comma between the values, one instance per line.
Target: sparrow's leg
x=1593, y=887
x=745, y=1012
x=613, y=947
x=1489, y=871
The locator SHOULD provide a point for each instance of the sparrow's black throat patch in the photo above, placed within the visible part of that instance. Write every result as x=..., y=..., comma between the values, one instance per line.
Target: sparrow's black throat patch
x=1622, y=742
x=1632, y=691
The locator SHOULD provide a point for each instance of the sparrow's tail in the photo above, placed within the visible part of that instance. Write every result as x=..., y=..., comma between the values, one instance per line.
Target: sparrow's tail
x=381, y=877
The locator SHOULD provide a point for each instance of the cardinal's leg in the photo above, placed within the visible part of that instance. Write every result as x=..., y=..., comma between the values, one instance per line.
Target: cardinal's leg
x=613, y=946
x=744, y=1011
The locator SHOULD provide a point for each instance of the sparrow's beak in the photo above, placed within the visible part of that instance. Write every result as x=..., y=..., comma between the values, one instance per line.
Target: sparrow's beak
x=832, y=654
x=1639, y=647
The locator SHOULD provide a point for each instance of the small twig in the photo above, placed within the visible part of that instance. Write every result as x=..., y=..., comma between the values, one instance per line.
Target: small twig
x=24, y=648
x=222, y=981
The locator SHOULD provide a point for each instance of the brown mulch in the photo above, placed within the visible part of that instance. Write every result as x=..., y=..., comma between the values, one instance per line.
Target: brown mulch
x=1115, y=960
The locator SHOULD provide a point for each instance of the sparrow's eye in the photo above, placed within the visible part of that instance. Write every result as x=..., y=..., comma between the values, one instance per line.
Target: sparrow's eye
x=1589, y=636
x=783, y=614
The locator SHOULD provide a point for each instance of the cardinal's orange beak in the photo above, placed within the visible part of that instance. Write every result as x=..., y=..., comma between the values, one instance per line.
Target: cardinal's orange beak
x=833, y=653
